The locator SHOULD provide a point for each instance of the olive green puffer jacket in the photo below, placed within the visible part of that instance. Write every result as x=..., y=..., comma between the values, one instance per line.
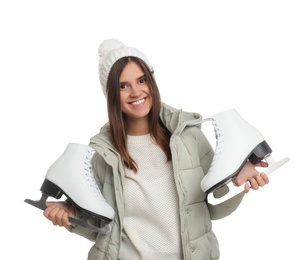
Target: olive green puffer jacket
x=191, y=157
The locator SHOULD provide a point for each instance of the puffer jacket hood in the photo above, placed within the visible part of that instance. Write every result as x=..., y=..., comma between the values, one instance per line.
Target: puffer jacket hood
x=176, y=120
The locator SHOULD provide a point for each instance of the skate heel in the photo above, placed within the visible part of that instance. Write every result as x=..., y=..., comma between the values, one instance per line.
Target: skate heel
x=261, y=151
x=51, y=189
x=48, y=189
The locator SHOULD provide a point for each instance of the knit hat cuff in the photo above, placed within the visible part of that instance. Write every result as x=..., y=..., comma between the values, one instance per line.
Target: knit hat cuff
x=106, y=62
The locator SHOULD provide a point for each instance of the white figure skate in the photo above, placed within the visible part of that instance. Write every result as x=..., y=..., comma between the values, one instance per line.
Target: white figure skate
x=72, y=175
x=236, y=142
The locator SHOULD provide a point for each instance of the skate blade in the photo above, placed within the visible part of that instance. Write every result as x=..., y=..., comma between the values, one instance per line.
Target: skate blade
x=40, y=204
x=273, y=165
x=84, y=222
x=232, y=190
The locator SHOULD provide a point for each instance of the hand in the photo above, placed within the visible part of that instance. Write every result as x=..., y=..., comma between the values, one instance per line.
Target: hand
x=58, y=213
x=250, y=174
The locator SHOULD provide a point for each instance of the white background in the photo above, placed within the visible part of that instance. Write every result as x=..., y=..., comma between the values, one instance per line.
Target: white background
x=208, y=56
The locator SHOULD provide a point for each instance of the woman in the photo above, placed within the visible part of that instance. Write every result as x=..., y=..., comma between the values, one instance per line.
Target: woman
x=150, y=159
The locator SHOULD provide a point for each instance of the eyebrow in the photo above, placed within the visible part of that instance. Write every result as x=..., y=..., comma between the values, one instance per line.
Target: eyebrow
x=141, y=77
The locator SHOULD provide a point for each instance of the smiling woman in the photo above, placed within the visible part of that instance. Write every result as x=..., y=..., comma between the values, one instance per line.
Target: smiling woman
x=149, y=161
x=207, y=56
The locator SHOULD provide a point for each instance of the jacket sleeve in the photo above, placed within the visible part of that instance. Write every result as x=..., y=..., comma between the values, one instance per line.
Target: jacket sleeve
x=227, y=207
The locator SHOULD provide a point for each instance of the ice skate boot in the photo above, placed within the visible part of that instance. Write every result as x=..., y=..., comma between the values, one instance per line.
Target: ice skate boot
x=71, y=174
x=236, y=142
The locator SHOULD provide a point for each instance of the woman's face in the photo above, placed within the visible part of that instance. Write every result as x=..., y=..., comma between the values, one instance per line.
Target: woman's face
x=135, y=98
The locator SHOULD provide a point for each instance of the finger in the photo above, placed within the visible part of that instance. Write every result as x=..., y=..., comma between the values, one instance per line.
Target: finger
x=65, y=220
x=52, y=215
x=254, y=184
x=247, y=188
x=261, y=164
x=260, y=181
x=265, y=177
x=50, y=204
x=61, y=217
x=264, y=164
x=47, y=211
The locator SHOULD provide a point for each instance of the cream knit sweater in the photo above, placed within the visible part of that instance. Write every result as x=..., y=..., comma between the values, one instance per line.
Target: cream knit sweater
x=151, y=228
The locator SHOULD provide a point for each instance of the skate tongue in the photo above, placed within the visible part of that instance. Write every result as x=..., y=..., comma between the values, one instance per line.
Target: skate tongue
x=232, y=190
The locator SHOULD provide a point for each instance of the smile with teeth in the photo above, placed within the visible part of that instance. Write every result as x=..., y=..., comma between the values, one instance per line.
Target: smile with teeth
x=138, y=102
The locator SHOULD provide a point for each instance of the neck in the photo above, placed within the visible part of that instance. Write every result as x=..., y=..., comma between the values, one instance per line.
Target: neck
x=138, y=126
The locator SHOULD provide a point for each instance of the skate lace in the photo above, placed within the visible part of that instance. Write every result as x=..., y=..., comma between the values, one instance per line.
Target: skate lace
x=219, y=135
x=89, y=173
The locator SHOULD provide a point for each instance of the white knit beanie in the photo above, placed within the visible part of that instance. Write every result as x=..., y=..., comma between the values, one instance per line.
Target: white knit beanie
x=109, y=52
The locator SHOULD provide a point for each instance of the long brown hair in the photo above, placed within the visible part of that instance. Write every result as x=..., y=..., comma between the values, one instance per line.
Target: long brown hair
x=117, y=119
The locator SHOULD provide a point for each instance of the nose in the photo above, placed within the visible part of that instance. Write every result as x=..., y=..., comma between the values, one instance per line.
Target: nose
x=135, y=91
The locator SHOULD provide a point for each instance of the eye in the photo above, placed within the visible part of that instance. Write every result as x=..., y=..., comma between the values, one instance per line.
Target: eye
x=123, y=86
x=143, y=81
